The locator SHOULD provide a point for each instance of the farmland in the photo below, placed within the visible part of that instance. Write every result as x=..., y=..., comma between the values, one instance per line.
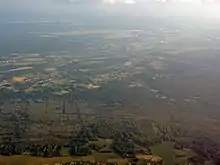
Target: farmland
x=133, y=95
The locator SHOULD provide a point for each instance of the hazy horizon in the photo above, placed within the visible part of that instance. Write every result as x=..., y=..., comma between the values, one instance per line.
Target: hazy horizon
x=137, y=8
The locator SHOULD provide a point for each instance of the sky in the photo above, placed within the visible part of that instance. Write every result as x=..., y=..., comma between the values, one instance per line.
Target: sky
x=53, y=3
x=202, y=8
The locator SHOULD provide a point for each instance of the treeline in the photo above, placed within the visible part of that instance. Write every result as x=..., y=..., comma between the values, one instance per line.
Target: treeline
x=42, y=150
x=123, y=145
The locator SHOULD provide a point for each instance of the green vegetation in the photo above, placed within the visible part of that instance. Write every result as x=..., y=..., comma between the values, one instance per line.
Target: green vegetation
x=29, y=75
x=102, y=142
x=170, y=155
x=165, y=151
x=104, y=156
x=64, y=151
x=183, y=156
x=113, y=121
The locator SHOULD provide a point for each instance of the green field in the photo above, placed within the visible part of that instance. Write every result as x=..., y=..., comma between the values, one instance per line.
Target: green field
x=169, y=154
x=184, y=155
x=104, y=156
x=165, y=151
x=102, y=142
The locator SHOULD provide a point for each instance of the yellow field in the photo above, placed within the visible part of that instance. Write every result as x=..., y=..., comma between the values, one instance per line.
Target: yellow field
x=28, y=160
x=19, y=79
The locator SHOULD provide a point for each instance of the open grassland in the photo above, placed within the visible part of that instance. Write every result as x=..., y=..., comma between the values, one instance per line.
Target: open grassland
x=105, y=156
x=165, y=151
x=170, y=155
